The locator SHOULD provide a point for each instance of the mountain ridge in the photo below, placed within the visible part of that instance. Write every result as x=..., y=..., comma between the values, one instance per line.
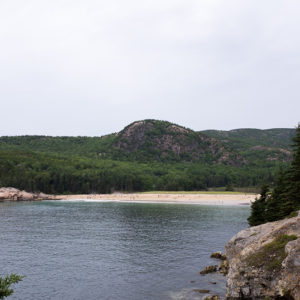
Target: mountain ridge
x=164, y=141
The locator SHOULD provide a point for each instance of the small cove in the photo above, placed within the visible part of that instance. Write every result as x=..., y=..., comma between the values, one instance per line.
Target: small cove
x=85, y=250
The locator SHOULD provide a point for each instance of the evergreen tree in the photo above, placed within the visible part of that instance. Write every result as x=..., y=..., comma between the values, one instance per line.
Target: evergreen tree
x=258, y=208
x=285, y=197
x=292, y=202
x=278, y=197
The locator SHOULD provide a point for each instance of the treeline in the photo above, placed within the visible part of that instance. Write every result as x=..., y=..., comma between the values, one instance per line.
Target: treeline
x=284, y=199
x=96, y=164
x=57, y=173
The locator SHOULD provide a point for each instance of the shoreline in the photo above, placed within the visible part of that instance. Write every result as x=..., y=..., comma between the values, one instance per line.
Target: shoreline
x=171, y=198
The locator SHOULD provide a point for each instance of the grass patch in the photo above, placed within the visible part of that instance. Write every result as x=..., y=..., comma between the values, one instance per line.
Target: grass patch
x=194, y=192
x=244, y=190
x=271, y=255
x=293, y=214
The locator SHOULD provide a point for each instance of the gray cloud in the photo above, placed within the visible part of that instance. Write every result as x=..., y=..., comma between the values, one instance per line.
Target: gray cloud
x=91, y=67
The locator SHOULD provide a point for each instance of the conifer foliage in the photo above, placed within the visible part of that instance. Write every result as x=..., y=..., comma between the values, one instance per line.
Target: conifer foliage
x=5, y=284
x=285, y=197
x=258, y=208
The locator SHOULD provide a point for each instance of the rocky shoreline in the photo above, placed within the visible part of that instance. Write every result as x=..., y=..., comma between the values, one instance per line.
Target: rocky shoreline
x=13, y=194
x=264, y=262
x=261, y=262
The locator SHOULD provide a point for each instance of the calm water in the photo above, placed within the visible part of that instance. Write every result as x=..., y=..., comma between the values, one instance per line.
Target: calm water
x=126, y=251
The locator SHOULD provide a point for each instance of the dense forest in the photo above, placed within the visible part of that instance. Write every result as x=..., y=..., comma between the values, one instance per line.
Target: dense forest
x=284, y=199
x=146, y=155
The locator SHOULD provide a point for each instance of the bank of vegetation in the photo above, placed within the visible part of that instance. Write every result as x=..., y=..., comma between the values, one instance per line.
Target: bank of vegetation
x=284, y=198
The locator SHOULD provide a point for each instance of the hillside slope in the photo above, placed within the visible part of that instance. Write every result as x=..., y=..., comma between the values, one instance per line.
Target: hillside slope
x=257, y=144
x=153, y=140
x=164, y=141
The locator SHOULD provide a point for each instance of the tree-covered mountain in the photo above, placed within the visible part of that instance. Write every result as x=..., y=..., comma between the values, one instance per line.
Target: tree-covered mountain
x=249, y=137
x=145, y=155
x=153, y=140
x=142, y=141
x=257, y=144
x=167, y=142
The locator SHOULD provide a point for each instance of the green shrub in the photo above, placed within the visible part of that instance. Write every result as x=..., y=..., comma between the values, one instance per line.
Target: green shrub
x=272, y=254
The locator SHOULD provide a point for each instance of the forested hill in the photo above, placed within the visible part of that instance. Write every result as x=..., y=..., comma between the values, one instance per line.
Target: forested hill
x=152, y=140
x=249, y=137
x=145, y=155
x=252, y=144
x=141, y=141
x=167, y=142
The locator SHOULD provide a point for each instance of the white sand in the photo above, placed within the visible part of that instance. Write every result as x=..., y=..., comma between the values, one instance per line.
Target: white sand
x=206, y=199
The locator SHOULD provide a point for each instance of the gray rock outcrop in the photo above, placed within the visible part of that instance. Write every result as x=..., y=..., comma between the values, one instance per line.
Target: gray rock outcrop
x=264, y=262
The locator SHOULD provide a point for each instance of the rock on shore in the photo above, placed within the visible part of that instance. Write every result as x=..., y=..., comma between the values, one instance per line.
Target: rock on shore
x=12, y=194
x=264, y=261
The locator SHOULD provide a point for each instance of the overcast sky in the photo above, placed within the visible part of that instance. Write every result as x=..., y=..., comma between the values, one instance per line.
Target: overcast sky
x=90, y=67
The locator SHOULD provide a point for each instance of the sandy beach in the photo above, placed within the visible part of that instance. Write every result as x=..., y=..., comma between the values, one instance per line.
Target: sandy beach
x=201, y=198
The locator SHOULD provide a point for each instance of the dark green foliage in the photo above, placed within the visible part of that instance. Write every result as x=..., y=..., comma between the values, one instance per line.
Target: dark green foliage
x=80, y=146
x=293, y=175
x=246, y=138
x=273, y=207
x=229, y=188
x=6, y=282
x=258, y=147
x=258, y=208
x=58, y=173
x=285, y=197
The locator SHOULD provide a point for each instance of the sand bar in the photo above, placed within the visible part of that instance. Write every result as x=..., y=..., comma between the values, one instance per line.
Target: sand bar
x=205, y=199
